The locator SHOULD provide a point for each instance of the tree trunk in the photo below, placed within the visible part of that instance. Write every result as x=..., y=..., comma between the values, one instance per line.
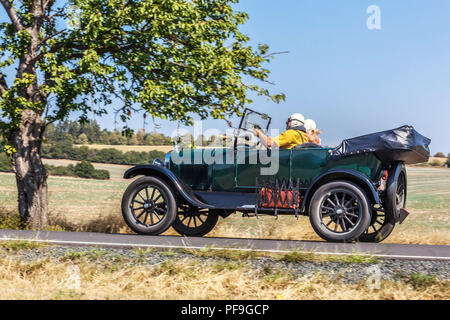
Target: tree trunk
x=31, y=175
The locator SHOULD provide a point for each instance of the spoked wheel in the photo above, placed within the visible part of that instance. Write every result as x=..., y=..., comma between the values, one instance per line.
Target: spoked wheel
x=339, y=211
x=383, y=220
x=148, y=206
x=194, y=222
x=380, y=227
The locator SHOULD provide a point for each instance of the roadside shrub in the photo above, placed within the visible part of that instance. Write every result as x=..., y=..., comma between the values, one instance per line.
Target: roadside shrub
x=84, y=169
x=60, y=171
x=421, y=281
x=101, y=175
x=10, y=219
x=436, y=163
x=5, y=163
x=440, y=155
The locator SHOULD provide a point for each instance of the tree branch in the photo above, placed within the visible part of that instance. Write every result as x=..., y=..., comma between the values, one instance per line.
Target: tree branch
x=3, y=85
x=274, y=53
x=12, y=13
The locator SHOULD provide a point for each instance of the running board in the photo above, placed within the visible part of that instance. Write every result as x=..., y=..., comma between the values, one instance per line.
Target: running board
x=227, y=200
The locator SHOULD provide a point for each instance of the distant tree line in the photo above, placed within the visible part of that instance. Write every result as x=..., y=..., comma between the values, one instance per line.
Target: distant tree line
x=64, y=149
x=83, y=169
x=91, y=133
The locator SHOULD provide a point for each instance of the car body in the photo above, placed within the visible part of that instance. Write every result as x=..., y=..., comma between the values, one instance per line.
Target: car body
x=356, y=196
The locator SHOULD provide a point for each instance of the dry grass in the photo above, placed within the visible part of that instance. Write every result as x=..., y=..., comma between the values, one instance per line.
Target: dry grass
x=127, y=148
x=441, y=161
x=188, y=279
x=102, y=224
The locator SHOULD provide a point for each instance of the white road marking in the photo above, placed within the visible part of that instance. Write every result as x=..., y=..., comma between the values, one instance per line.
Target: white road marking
x=112, y=244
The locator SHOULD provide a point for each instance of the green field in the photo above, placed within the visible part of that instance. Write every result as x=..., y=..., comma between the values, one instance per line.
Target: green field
x=82, y=201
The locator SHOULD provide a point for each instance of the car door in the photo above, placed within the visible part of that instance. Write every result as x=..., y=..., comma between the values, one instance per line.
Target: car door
x=251, y=164
x=307, y=164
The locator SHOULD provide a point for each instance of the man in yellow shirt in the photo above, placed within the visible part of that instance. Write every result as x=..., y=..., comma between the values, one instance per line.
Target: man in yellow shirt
x=294, y=135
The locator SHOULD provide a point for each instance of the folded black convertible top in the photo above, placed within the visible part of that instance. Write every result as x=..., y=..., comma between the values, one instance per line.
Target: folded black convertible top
x=401, y=144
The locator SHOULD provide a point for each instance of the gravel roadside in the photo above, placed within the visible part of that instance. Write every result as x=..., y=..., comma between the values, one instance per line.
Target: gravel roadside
x=347, y=272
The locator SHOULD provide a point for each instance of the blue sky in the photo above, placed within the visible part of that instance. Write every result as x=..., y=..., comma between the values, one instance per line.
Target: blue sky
x=350, y=79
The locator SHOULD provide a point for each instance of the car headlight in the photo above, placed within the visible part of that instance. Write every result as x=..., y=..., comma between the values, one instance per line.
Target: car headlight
x=158, y=162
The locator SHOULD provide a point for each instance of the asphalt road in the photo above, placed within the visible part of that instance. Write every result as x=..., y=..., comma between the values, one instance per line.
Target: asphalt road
x=381, y=250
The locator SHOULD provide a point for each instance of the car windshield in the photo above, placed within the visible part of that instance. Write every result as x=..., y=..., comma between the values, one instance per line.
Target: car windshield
x=252, y=119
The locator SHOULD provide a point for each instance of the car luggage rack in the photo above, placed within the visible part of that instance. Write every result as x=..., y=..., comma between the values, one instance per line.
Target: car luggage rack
x=279, y=196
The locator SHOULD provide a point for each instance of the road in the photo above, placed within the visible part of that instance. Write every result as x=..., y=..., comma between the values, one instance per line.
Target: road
x=381, y=250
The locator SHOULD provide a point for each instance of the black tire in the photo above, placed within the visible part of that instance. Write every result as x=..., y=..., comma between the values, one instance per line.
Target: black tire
x=348, y=210
x=383, y=222
x=381, y=226
x=194, y=222
x=149, y=198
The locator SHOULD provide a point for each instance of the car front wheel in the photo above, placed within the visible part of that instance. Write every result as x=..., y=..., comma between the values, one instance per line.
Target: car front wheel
x=149, y=206
x=339, y=211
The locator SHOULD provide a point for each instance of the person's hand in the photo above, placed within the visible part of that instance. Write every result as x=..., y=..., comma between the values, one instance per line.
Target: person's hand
x=256, y=131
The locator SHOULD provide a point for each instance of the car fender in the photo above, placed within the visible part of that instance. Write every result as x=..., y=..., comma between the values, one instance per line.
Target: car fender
x=342, y=174
x=168, y=176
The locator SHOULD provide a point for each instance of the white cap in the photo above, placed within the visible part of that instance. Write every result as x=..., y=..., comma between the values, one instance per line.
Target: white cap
x=310, y=124
x=298, y=117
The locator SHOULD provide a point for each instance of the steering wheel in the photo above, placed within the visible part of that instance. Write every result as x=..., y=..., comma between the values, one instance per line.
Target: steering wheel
x=245, y=140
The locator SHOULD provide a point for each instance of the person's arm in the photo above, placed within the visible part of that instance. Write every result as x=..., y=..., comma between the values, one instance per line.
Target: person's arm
x=265, y=140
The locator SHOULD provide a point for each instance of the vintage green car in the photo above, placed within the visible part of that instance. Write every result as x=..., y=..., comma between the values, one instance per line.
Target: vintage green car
x=356, y=191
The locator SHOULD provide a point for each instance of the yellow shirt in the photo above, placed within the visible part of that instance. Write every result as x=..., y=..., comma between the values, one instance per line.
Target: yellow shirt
x=291, y=138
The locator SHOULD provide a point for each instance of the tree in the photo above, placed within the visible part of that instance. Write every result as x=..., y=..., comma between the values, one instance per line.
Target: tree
x=133, y=140
x=168, y=58
x=104, y=137
x=148, y=140
x=440, y=155
x=116, y=138
x=82, y=139
x=140, y=136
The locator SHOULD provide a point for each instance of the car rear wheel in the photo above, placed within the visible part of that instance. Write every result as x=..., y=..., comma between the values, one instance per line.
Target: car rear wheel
x=194, y=222
x=339, y=211
x=148, y=206
x=383, y=221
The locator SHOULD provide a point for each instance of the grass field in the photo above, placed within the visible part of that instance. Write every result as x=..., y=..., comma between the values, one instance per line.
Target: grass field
x=124, y=148
x=82, y=201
